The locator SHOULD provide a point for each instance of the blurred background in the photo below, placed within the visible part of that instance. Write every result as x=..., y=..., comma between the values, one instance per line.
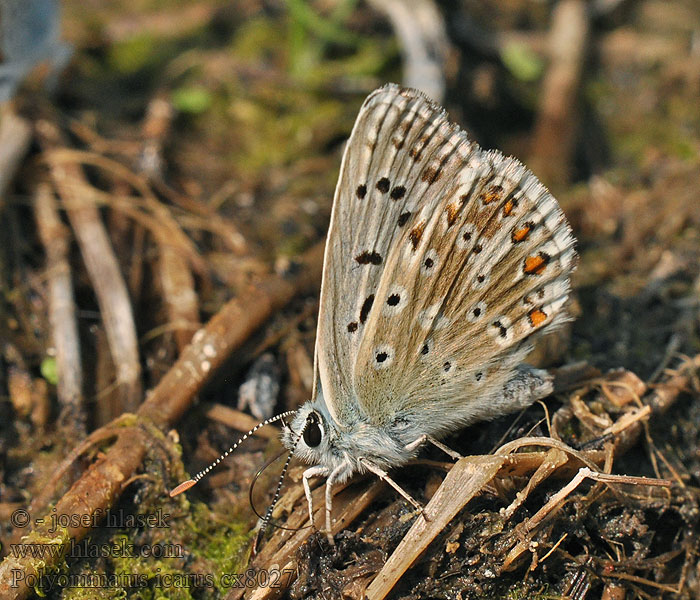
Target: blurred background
x=163, y=162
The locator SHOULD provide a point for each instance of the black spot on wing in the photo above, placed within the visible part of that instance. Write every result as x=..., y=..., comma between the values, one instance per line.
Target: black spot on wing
x=383, y=185
x=368, y=257
x=366, y=307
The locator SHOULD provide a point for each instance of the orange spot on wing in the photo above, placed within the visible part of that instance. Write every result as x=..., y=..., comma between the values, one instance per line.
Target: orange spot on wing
x=535, y=265
x=508, y=208
x=416, y=234
x=537, y=316
x=492, y=194
x=452, y=211
x=520, y=235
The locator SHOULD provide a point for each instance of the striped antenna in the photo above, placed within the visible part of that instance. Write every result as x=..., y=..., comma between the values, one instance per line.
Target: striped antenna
x=186, y=485
x=268, y=514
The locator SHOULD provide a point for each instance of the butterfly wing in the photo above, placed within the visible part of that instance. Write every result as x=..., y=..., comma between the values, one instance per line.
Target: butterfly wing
x=442, y=262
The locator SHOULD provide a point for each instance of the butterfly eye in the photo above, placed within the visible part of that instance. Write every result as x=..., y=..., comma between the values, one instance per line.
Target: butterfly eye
x=312, y=430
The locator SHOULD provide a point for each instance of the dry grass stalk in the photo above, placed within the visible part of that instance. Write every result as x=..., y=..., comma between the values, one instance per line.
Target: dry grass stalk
x=464, y=481
x=422, y=33
x=64, y=325
x=240, y=421
x=524, y=530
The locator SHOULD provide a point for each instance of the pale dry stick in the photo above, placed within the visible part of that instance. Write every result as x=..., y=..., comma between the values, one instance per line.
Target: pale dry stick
x=179, y=293
x=239, y=421
x=174, y=270
x=661, y=398
x=626, y=420
x=622, y=387
x=527, y=527
x=422, y=33
x=100, y=486
x=555, y=129
x=15, y=137
x=673, y=589
x=514, y=445
x=215, y=224
x=155, y=128
x=175, y=277
x=554, y=459
x=464, y=481
x=198, y=216
x=588, y=419
x=64, y=325
x=553, y=548
x=102, y=267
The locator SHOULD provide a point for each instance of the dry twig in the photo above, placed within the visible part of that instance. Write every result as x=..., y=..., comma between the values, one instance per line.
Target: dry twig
x=64, y=326
x=557, y=120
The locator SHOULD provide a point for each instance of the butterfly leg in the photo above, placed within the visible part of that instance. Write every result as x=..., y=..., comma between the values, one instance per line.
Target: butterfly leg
x=338, y=474
x=317, y=471
x=384, y=476
x=428, y=438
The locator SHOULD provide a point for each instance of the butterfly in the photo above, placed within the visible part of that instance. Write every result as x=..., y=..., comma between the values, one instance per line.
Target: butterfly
x=443, y=263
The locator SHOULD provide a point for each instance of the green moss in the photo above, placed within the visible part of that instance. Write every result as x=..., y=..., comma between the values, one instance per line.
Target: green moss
x=524, y=590
x=279, y=133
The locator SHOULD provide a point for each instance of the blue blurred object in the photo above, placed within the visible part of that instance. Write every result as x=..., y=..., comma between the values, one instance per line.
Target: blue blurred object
x=29, y=35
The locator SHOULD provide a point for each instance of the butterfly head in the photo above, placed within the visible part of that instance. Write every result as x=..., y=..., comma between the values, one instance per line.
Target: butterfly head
x=311, y=433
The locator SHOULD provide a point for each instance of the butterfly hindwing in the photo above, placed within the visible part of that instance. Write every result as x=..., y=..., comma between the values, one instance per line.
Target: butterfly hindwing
x=442, y=261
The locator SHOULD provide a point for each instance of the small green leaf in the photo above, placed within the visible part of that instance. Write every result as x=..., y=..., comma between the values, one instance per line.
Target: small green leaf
x=192, y=100
x=522, y=62
x=49, y=370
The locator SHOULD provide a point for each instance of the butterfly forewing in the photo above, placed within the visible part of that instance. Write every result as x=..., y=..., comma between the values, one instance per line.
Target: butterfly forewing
x=441, y=263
